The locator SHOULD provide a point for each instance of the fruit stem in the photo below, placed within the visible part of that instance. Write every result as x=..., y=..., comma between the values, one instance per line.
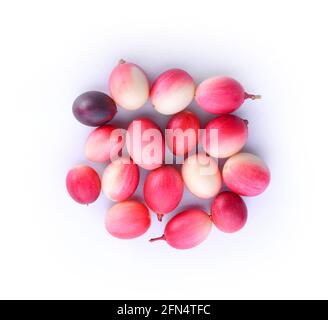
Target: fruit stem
x=252, y=96
x=157, y=239
x=245, y=121
x=121, y=61
x=159, y=216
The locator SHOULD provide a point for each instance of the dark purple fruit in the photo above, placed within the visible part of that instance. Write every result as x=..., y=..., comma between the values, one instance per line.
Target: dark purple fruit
x=94, y=108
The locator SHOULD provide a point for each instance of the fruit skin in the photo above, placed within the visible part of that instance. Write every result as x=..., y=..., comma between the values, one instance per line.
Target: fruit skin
x=188, y=123
x=163, y=190
x=120, y=179
x=229, y=212
x=127, y=220
x=187, y=229
x=104, y=143
x=172, y=91
x=94, y=108
x=145, y=143
x=129, y=85
x=202, y=175
x=220, y=95
x=246, y=174
x=83, y=184
x=224, y=136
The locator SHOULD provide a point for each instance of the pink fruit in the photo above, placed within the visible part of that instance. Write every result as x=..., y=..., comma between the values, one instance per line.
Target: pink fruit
x=83, y=184
x=202, y=176
x=187, y=229
x=182, y=132
x=163, y=190
x=129, y=86
x=172, y=91
x=229, y=212
x=120, y=179
x=225, y=136
x=145, y=143
x=246, y=174
x=127, y=220
x=104, y=143
x=221, y=95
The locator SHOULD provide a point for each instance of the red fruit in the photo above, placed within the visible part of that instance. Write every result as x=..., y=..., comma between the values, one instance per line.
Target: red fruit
x=187, y=229
x=163, y=190
x=145, y=143
x=104, y=143
x=128, y=85
x=172, y=91
x=120, y=179
x=83, y=184
x=221, y=95
x=246, y=174
x=94, y=108
x=229, y=212
x=182, y=132
x=127, y=219
x=225, y=136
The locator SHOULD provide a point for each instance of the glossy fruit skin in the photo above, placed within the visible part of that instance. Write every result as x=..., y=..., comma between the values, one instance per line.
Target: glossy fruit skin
x=94, y=108
x=172, y=91
x=127, y=220
x=120, y=179
x=83, y=184
x=163, y=190
x=225, y=136
x=104, y=143
x=229, y=212
x=184, y=124
x=129, y=86
x=220, y=95
x=202, y=176
x=147, y=151
x=187, y=229
x=246, y=174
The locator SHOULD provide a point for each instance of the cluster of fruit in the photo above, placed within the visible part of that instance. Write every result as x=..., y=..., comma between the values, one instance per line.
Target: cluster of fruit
x=223, y=137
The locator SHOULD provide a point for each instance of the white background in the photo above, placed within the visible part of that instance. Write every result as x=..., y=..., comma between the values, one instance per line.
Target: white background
x=51, y=247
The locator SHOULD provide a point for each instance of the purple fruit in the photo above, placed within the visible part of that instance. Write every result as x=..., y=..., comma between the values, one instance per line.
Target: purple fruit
x=94, y=108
